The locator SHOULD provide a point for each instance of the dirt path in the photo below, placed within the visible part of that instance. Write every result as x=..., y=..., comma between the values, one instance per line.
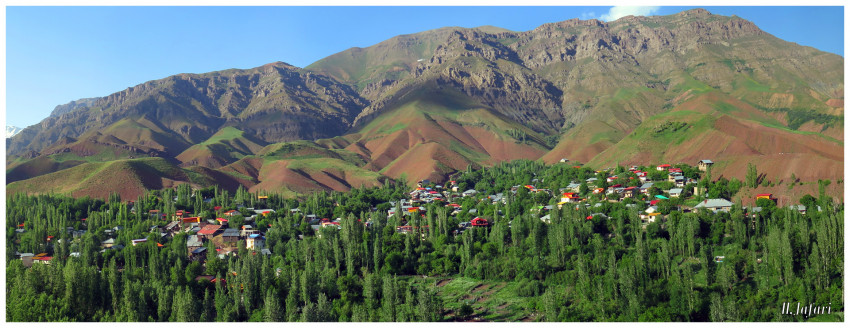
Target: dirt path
x=480, y=287
x=443, y=282
x=494, y=289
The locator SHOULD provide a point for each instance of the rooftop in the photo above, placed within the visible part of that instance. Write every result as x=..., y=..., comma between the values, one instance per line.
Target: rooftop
x=193, y=241
x=210, y=229
x=714, y=202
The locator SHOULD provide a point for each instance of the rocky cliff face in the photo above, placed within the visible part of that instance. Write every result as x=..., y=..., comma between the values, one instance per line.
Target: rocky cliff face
x=547, y=78
x=73, y=105
x=276, y=102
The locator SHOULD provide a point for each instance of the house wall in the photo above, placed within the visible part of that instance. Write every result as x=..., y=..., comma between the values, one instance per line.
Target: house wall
x=27, y=261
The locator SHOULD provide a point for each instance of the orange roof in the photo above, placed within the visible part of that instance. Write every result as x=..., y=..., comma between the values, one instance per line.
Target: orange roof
x=209, y=229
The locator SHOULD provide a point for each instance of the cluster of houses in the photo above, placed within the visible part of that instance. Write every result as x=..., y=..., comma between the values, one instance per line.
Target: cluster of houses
x=427, y=194
x=225, y=239
x=29, y=258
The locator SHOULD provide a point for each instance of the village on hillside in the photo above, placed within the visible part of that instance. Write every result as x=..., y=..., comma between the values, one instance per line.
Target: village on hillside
x=651, y=193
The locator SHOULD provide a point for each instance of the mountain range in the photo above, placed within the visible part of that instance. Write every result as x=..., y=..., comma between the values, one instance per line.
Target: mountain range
x=638, y=90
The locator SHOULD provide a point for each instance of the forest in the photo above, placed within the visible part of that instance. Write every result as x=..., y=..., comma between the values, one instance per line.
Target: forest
x=599, y=262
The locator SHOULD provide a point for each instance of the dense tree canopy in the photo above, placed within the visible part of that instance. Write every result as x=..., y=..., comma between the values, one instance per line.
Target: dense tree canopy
x=610, y=267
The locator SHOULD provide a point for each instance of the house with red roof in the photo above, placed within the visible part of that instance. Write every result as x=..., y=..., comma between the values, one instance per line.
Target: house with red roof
x=479, y=222
x=181, y=214
x=42, y=259
x=570, y=197
x=329, y=223
x=663, y=167
x=209, y=231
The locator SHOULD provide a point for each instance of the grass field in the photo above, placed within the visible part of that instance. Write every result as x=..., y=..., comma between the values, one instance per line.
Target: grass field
x=490, y=300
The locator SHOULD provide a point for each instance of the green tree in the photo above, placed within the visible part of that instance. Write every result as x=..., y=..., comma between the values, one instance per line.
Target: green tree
x=752, y=175
x=273, y=310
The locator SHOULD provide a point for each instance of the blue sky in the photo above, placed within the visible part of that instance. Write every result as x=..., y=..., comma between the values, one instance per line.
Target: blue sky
x=58, y=54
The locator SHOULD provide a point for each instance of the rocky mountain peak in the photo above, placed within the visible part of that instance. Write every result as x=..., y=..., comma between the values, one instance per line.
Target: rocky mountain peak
x=697, y=12
x=73, y=105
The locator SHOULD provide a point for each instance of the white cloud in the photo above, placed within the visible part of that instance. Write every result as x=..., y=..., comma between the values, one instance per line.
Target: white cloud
x=617, y=12
x=588, y=15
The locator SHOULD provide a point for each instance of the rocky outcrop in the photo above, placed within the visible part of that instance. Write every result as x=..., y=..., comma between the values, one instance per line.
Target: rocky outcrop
x=73, y=105
x=275, y=102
